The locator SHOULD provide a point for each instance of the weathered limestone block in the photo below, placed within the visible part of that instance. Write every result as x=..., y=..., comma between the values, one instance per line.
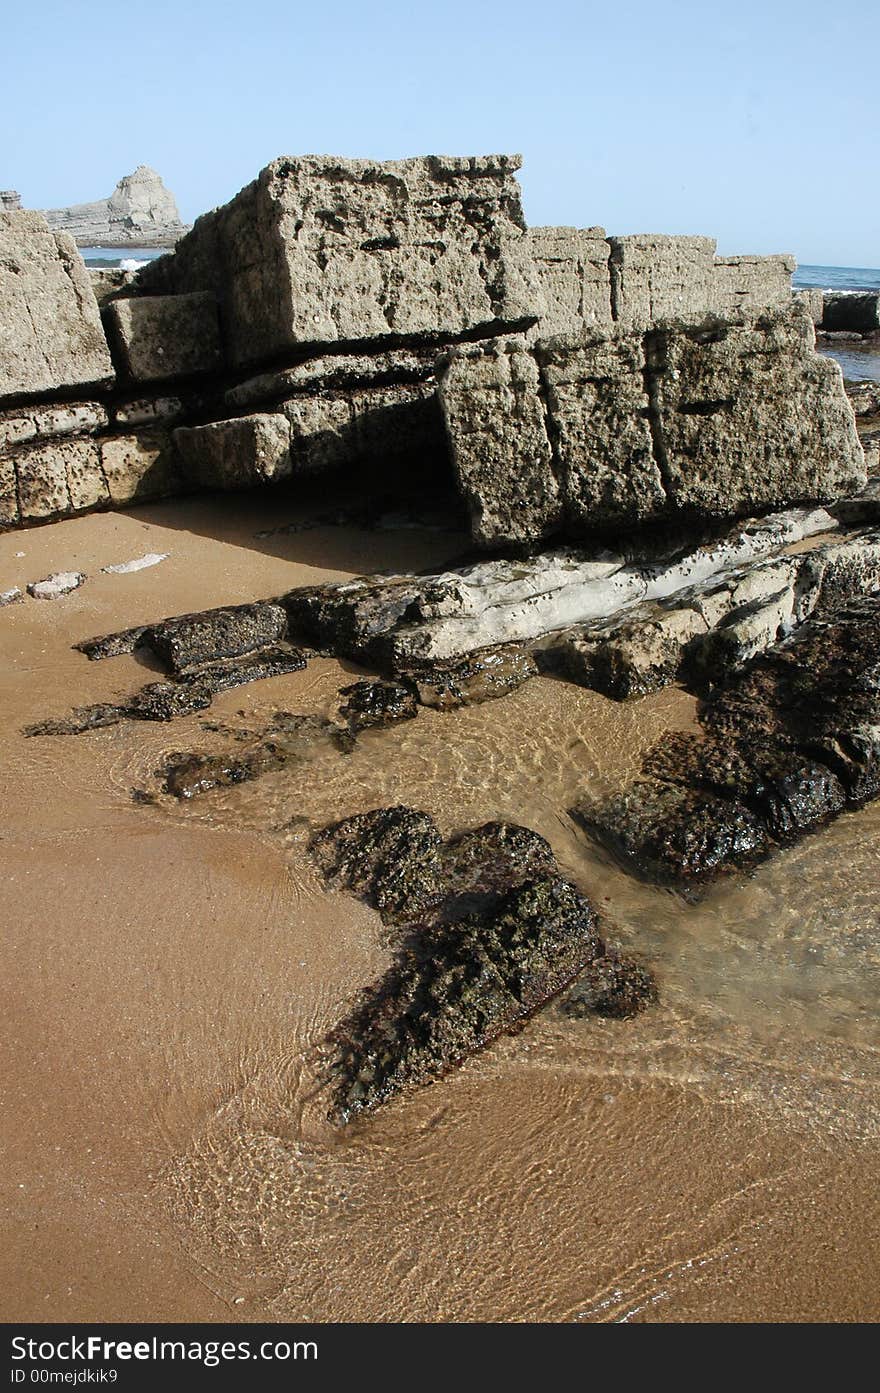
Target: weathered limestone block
x=501, y=449
x=658, y=277
x=813, y=300
x=76, y=418
x=148, y=411
x=599, y=407
x=750, y=417
x=320, y=249
x=856, y=311
x=165, y=336
x=321, y=432
x=574, y=277
x=140, y=467
x=747, y=283
x=236, y=454
x=50, y=328
x=58, y=477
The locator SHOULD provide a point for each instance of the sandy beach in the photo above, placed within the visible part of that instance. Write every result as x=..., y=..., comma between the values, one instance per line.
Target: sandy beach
x=171, y=971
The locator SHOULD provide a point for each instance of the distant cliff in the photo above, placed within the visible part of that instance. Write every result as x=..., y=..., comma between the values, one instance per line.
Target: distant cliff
x=140, y=212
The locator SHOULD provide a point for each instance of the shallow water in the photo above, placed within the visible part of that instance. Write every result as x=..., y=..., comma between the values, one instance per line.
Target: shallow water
x=173, y=970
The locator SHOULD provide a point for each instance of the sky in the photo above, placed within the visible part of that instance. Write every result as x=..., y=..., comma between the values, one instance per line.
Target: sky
x=756, y=123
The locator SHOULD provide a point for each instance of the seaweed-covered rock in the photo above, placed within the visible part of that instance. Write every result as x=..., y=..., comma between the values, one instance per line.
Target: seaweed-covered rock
x=390, y=857
x=456, y=988
x=289, y=739
x=611, y=986
x=790, y=792
x=158, y=701
x=189, y=640
x=490, y=860
x=677, y=836
x=494, y=932
x=787, y=745
x=376, y=704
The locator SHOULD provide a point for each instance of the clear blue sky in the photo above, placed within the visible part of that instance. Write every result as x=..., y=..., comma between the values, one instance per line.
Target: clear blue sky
x=757, y=123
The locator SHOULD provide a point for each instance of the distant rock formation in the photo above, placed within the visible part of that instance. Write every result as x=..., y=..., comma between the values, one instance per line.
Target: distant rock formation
x=140, y=212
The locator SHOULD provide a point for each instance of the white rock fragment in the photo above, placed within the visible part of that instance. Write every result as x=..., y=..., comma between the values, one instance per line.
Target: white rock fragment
x=54, y=586
x=10, y=596
x=140, y=563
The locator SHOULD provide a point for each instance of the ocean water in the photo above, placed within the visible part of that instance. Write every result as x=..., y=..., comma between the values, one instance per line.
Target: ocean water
x=126, y=258
x=836, y=278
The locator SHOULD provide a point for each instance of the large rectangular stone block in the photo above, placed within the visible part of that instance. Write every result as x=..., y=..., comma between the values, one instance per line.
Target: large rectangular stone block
x=320, y=250
x=707, y=420
x=658, y=277
x=751, y=417
x=140, y=466
x=574, y=276
x=59, y=477
x=50, y=328
x=165, y=336
x=598, y=403
x=744, y=283
x=501, y=450
x=236, y=454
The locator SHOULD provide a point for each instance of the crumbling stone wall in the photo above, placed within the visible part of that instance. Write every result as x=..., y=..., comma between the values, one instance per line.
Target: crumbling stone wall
x=302, y=328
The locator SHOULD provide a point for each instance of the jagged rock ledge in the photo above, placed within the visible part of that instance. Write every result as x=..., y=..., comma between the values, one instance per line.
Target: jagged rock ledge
x=788, y=745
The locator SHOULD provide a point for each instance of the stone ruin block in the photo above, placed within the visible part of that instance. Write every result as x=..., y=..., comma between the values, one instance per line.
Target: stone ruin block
x=501, y=451
x=236, y=454
x=581, y=435
x=317, y=432
x=50, y=328
x=749, y=417
x=139, y=467
x=574, y=277
x=813, y=301
x=744, y=283
x=60, y=477
x=322, y=250
x=597, y=400
x=165, y=336
x=657, y=277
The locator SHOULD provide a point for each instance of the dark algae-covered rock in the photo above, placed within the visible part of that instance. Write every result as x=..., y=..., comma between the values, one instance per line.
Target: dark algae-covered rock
x=675, y=835
x=376, y=704
x=481, y=676
x=458, y=986
x=490, y=931
x=288, y=739
x=389, y=857
x=612, y=986
x=787, y=745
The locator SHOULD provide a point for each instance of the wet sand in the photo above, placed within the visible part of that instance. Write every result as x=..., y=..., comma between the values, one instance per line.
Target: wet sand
x=170, y=972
